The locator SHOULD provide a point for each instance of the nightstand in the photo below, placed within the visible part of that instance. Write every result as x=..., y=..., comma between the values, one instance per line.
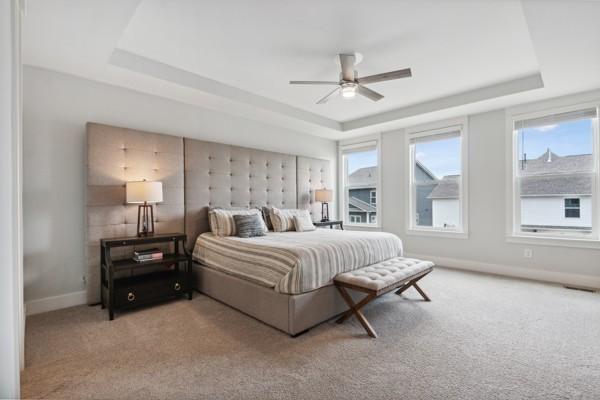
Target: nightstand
x=125, y=283
x=330, y=224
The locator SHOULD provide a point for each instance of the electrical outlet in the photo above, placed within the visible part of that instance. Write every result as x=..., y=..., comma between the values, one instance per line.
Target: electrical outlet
x=528, y=253
x=84, y=280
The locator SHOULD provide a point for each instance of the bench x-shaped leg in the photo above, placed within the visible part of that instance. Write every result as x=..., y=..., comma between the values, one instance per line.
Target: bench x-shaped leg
x=414, y=284
x=355, y=309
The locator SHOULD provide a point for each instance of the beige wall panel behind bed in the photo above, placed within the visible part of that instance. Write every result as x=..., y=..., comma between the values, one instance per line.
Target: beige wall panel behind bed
x=313, y=174
x=220, y=175
x=118, y=155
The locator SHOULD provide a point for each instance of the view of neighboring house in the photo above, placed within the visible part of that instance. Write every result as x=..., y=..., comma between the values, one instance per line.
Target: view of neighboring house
x=555, y=194
x=362, y=195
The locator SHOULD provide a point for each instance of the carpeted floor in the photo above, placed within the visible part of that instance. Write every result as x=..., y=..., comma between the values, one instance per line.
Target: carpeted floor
x=482, y=337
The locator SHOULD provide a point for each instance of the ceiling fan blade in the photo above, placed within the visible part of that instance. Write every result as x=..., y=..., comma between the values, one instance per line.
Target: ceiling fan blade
x=328, y=96
x=313, y=83
x=347, y=63
x=371, y=94
x=386, y=76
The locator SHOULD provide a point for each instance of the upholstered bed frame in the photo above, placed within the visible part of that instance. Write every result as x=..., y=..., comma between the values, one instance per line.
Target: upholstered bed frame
x=197, y=175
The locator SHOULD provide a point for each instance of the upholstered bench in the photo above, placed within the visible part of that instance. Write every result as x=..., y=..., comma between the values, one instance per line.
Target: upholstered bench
x=375, y=280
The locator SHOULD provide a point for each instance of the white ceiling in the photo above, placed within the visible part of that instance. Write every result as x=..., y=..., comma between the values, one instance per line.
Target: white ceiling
x=238, y=56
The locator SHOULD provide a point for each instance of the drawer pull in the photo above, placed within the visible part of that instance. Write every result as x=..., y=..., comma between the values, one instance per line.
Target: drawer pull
x=130, y=296
x=177, y=286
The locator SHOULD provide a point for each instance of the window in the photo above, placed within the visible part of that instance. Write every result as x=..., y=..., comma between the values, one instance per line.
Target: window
x=572, y=208
x=360, y=182
x=355, y=219
x=437, y=179
x=555, y=174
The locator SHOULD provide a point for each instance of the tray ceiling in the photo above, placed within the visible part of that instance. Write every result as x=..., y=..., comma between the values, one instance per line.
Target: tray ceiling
x=238, y=56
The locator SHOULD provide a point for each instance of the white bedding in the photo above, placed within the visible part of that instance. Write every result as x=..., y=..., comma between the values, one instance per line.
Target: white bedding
x=295, y=262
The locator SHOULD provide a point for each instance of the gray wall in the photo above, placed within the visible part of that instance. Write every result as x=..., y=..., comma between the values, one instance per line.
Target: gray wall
x=10, y=293
x=56, y=108
x=486, y=248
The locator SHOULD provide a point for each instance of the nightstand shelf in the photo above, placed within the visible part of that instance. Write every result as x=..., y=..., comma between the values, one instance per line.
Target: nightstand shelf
x=126, y=284
x=330, y=224
x=128, y=263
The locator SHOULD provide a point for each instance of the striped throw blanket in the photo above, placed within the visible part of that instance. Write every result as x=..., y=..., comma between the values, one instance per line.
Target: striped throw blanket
x=295, y=262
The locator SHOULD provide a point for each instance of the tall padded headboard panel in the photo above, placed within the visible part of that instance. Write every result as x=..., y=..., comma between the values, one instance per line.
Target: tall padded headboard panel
x=220, y=175
x=115, y=156
x=313, y=174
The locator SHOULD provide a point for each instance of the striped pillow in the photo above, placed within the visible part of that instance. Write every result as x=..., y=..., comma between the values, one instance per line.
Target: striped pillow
x=249, y=225
x=222, y=223
x=283, y=220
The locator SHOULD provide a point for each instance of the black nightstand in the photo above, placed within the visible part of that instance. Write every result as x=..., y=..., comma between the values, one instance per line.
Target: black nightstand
x=126, y=283
x=330, y=224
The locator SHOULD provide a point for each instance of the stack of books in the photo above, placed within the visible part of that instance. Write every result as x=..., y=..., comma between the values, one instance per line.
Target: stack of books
x=147, y=255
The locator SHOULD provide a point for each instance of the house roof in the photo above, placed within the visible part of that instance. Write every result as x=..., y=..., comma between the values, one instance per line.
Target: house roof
x=577, y=184
x=361, y=205
x=551, y=163
x=546, y=175
x=363, y=177
x=446, y=188
x=366, y=177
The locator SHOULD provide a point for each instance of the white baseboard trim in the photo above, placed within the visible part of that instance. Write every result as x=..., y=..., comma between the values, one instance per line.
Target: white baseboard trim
x=55, y=302
x=562, y=278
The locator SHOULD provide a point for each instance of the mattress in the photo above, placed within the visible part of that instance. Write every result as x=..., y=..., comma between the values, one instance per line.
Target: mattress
x=295, y=262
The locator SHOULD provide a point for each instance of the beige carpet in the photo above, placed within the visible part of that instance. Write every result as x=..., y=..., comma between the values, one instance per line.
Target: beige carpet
x=482, y=337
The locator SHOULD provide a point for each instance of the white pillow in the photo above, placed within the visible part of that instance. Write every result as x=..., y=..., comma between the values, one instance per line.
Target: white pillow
x=222, y=223
x=303, y=222
x=283, y=220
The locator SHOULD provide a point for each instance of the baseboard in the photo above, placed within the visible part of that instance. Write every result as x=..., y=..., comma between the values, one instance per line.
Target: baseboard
x=55, y=302
x=562, y=278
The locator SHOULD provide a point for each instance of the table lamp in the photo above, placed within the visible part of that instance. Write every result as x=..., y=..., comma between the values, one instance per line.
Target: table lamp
x=142, y=193
x=324, y=196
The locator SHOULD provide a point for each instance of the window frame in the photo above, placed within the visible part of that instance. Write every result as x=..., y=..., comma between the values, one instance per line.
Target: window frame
x=366, y=143
x=438, y=128
x=371, y=193
x=513, y=213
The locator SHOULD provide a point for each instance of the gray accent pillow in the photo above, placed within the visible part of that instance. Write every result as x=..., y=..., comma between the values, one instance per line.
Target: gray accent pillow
x=249, y=225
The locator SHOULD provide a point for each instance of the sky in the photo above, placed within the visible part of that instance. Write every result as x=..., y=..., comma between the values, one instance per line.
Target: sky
x=361, y=159
x=442, y=157
x=564, y=139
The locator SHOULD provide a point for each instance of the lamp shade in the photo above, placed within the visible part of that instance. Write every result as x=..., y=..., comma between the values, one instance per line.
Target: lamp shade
x=323, y=195
x=144, y=191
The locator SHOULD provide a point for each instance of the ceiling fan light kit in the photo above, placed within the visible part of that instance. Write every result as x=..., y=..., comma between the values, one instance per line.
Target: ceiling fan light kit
x=349, y=90
x=350, y=83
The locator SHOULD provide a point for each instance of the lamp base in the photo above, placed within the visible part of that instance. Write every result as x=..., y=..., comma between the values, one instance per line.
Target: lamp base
x=145, y=222
x=324, y=212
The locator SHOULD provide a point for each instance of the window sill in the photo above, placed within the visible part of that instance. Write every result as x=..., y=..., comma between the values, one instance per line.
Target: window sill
x=372, y=227
x=554, y=241
x=438, y=233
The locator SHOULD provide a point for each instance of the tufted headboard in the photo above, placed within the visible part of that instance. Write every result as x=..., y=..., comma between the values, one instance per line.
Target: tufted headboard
x=312, y=174
x=195, y=175
x=118, y=155
x=220, y=175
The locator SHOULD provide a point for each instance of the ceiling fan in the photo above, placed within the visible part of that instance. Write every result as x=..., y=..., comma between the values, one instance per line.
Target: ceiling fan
x=350, y=84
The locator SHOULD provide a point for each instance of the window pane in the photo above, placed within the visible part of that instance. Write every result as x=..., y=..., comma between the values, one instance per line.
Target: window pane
x=361, y=186
x=572, y=213
x=572, y=203
x=437, y=172
x=554, y=161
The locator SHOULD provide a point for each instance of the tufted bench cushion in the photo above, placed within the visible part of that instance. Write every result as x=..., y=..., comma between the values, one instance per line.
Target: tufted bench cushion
x=397, y=273
x=384, y=274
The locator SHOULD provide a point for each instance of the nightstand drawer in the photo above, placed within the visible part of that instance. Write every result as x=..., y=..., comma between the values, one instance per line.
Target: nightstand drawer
x=149, y=288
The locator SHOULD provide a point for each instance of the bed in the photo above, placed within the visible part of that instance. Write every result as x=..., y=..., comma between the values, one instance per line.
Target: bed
x=198, y=175
x=285, y=279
